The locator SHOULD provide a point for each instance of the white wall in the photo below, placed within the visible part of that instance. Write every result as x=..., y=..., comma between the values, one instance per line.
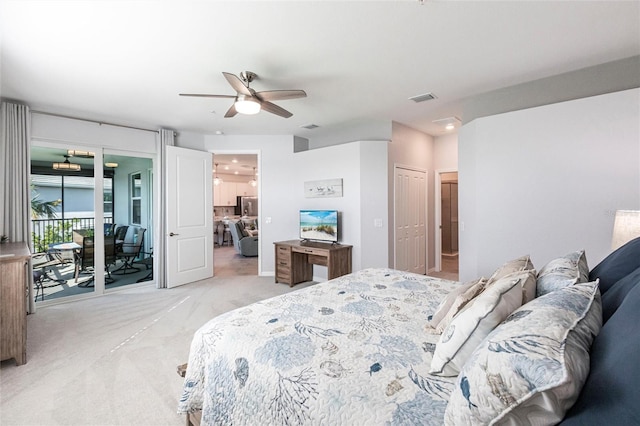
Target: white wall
x=445, y=152
x=361, y=165
x=362, y=168
x=276, y=164
x=546, y=181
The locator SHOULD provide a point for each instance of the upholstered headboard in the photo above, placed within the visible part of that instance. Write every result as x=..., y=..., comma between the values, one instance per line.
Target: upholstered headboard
x=611, y=394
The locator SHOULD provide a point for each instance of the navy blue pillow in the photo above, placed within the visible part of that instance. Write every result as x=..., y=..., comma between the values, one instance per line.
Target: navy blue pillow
x=616, y=294
x=617, y=265
x=611, y=394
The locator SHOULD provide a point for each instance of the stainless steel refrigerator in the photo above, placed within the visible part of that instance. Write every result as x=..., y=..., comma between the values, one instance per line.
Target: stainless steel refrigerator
x=248, y=206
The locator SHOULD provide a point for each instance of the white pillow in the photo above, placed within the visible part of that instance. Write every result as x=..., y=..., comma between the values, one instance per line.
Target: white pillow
x=532, y=367
x=528, y=283
x=474, y=323
x=454, y=303
x=522, y=263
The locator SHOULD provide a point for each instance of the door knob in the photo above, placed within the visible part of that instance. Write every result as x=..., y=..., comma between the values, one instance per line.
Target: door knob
x=171, y=234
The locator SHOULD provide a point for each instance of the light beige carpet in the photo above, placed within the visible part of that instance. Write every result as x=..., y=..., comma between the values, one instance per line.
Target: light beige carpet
x=112, y=360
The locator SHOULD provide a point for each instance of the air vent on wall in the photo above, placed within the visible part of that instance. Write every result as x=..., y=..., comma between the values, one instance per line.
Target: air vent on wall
x=424, y=97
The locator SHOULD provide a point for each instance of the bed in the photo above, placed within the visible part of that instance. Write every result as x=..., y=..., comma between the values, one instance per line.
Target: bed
x=364, y=349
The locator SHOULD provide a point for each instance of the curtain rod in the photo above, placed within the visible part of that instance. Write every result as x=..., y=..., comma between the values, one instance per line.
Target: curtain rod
x=94, y=121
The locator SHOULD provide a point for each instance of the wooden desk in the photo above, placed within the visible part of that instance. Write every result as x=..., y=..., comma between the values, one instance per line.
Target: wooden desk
x=295, y=260
x=14, y=258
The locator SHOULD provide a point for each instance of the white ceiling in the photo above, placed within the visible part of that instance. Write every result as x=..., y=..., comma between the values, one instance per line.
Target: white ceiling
x=358, y=61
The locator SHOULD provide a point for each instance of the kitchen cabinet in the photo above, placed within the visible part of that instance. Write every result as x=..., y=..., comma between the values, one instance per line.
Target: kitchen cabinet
x=224, y=194
x=246, y=190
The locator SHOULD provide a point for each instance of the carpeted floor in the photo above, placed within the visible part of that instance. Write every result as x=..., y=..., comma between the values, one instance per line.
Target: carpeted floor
x=112, y=360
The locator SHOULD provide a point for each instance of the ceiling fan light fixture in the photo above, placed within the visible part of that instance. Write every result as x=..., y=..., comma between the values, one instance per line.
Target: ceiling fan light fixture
x=78, y=153
x=66, y=165
x=246, y=105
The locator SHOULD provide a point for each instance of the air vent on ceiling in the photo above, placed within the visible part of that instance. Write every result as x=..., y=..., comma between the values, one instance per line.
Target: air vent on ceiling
x=310, y=126
x=424, y=97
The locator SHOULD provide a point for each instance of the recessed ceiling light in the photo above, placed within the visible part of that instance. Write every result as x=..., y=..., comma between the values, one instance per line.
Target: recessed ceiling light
x=449, y=123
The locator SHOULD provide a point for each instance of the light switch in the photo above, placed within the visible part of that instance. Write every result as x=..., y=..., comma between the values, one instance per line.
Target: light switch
x=377, y=223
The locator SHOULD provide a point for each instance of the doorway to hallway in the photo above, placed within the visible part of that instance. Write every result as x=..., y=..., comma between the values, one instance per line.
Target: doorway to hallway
x=447, y=253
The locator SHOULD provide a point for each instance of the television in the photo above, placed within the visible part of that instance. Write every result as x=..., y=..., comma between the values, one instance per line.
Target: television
x=319, y=225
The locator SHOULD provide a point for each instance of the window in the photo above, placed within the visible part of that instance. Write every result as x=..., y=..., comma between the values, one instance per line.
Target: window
x=136, y=198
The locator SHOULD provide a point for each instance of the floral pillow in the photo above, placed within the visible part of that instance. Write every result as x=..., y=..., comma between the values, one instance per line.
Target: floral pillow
x=561, y=272
x=531, y=368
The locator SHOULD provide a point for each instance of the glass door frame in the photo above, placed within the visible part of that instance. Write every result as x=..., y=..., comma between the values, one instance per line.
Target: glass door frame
x=150, y=191
x=98, y=202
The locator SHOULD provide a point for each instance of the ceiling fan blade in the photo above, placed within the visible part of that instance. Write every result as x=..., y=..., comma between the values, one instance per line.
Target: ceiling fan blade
x=202, y=95
x=275, y=109
x=231, y=112
x=275, y=95
x=237, y=84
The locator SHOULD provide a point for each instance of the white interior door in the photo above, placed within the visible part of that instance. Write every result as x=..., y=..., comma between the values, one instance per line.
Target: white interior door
x=410, y=220
x=189, y=216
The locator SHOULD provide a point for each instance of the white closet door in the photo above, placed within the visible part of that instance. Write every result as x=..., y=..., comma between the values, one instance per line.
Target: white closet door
x=410, y=220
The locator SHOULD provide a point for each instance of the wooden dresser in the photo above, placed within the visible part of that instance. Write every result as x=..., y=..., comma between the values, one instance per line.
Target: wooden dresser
x=295, y=260
x=14, y=261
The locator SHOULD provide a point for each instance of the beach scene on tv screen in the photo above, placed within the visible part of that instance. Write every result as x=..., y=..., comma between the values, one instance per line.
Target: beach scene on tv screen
x=319, y=225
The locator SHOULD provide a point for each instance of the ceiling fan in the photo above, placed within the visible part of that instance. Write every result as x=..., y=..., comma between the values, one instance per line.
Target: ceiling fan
x=248, y=101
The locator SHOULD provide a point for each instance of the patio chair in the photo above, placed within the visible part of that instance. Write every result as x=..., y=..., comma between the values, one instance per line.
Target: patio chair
x=87, y=262
x=41, y=276
x=130, y=250
x=110, y=257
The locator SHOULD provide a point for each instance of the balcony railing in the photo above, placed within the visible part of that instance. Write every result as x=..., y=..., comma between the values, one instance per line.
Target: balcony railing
x=45, y=232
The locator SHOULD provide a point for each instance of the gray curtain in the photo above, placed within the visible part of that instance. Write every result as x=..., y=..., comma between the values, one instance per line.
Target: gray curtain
x=15, y=213
x=167, y=138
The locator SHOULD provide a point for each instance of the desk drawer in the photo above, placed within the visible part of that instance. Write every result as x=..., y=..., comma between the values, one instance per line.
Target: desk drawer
x=283, y=273
x=283, y=261
x=311, y=250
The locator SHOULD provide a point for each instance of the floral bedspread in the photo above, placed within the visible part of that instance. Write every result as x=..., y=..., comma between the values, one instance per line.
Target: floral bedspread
x=352, y=350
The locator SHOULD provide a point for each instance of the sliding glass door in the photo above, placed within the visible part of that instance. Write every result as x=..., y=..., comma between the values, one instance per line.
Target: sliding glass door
x=132, y=207
x=63, y=222
x=92, y=221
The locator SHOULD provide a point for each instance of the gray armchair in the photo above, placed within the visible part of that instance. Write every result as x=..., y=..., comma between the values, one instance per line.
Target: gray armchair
x=245, y=244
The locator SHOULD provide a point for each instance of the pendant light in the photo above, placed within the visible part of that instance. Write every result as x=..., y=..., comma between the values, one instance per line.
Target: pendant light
x=216, y=180
x=253, y=182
